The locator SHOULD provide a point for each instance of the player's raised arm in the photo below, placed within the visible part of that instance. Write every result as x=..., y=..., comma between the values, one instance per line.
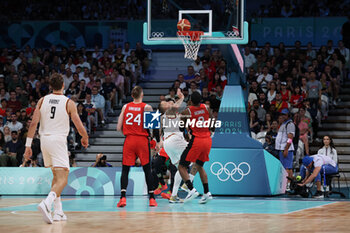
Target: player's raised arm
x=72, y=111
x=120, y=119
x=178, y=103
x=32, y=129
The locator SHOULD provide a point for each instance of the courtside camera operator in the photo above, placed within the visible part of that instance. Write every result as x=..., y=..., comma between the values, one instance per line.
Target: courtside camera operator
x=101, y=161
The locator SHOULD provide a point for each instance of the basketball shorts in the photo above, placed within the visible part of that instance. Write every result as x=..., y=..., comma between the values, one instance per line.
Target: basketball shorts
x=163, y=154
x=198, y=149
x=174, y=146
x=55, y=151
x=136, y=146
x=287, y=162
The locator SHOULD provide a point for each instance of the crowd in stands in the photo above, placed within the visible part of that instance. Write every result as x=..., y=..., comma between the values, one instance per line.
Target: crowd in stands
x=304, y=8
x=304, y=80
x=206, y=75
x=98, y=81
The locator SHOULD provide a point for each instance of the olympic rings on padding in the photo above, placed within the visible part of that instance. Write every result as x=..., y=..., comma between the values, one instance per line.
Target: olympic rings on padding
x=225, y=170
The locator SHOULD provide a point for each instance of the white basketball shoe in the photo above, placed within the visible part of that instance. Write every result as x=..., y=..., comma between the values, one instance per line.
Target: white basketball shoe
x=191, y=195
x=59, y=216
x=45, y=210
x=206, y=198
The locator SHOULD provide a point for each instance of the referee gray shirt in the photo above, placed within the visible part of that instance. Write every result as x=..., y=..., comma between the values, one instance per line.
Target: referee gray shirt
x=282, y=135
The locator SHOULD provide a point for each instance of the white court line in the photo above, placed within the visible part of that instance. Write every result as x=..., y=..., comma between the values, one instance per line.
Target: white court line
x=27, y=213
x=295, y=211
x=19, y=205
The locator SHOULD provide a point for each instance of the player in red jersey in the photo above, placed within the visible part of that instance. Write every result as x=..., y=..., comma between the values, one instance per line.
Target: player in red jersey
x=136, y=143
x=198, y=148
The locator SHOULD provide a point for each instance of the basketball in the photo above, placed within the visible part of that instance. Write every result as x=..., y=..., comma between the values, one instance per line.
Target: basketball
x=184, y=25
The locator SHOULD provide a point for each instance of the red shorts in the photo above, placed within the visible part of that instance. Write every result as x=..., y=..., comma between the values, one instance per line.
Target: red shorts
x=163, y=153
x=198, y=149
x=136, y=146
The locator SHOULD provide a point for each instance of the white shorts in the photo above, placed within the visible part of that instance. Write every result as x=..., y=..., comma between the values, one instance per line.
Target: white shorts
x=55, y=151
x=174, y=146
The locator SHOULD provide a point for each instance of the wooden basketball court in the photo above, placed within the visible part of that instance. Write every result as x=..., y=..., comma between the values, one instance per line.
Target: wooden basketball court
x=99, y=214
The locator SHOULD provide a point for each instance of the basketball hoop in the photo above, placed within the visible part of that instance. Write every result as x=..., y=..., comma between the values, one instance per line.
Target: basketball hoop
x=191, y=41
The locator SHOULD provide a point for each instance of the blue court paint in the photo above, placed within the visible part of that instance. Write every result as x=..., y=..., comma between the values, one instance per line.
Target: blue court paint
x=218, y=205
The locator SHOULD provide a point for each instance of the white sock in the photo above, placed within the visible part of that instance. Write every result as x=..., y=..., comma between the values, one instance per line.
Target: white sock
x=177, y=182
x=57, y=205
x=191, y=177
x=50, y=198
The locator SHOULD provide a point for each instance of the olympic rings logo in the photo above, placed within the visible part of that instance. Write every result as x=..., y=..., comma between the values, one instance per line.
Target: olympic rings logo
x=157, y=34
x=230, y=172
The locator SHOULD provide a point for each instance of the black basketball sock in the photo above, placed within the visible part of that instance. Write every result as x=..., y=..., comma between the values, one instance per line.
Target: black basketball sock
x=206, y=188
x=189, y=184
x=149, y=180
x=124, y=180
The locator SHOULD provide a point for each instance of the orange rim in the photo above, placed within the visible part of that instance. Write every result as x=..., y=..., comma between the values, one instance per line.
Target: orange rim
x=194, y=35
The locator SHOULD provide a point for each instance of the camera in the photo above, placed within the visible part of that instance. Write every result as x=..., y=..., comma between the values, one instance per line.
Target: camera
x=298, y=190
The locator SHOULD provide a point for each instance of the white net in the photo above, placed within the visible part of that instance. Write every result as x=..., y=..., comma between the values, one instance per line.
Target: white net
x=191, y=41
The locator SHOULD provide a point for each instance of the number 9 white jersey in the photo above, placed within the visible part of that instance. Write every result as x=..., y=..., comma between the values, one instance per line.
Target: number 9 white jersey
x=54, y=118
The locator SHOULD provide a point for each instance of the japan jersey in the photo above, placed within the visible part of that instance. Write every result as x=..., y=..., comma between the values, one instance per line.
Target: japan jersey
x=199, y=113
x=54, y=118
x=133, y=119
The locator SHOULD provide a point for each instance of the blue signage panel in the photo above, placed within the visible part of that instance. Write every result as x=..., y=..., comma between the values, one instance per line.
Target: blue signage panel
x=43, y=34
x=81, y=181
x=288, y=30
x=236, y=172
x=234, y=131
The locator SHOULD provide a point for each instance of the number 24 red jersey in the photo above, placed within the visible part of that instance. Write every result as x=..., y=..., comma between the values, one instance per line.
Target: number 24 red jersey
x=133, y=119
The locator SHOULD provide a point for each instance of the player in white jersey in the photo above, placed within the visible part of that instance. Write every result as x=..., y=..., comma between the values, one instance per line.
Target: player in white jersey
x=174, y=142
x=53, y=112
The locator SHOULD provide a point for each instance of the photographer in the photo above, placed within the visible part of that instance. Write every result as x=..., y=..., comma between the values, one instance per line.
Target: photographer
x=312, y=168
x=101, y=161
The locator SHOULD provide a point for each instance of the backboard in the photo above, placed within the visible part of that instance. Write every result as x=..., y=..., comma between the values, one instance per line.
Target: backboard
x=222, y=21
